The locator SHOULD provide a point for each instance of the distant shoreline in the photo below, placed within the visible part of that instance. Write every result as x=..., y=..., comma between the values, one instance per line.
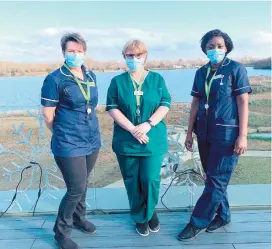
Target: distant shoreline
x=115, y=71
x=95, y=71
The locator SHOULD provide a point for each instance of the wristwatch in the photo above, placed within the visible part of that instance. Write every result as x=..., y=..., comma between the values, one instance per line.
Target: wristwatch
x=150, y=122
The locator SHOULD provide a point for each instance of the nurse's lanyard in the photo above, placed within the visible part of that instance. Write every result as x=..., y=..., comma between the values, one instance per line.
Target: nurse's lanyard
x=87, y=96
x=208, y=87
x=138, y=93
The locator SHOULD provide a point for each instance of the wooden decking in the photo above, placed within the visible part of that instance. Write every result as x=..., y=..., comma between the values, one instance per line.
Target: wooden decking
x=250, y=229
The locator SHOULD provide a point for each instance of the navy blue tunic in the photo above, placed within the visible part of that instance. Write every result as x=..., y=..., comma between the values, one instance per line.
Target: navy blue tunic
x=74, y=132
x=221, y=125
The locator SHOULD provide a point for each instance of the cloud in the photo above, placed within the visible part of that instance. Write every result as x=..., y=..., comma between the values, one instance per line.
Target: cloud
x=262, y=37
x=107, y=44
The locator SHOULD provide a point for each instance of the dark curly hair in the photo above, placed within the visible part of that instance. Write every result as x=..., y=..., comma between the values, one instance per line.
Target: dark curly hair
x=213, y=33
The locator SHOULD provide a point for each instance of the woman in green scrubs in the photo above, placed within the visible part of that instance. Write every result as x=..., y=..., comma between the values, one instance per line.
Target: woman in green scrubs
x=138, y=100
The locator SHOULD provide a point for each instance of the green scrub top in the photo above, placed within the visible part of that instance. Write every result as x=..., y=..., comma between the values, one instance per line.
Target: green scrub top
x=121, y=96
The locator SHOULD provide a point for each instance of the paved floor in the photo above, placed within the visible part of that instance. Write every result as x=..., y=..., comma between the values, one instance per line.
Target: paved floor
x=250, y=229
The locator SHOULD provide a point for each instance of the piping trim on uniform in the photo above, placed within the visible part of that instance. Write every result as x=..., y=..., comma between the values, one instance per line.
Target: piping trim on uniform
x=166, y=102
x=241, y=88
x=143, y=79
x=194, y=91
x=229, y=60
x=111, y=105
x=72, y=76
x=228, y=125
x=50, y=99
x=65, y=74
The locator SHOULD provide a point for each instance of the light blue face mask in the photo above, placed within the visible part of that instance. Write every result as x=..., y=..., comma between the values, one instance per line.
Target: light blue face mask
x=74, y=60
x=135, y=64
x=216, y=55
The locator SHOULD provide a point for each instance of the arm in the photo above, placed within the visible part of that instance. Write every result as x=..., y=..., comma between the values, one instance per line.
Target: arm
x=159, y=115
x=121, y=119
x=49, y=100
x=48, y=115
x=192, y=119
x=241, y=89
x=193, y=114
x=241, y=142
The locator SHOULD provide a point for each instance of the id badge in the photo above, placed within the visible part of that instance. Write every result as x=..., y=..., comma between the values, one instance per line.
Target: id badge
x=138, y=93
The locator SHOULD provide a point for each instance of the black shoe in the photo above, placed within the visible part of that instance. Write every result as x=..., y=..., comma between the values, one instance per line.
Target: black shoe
x=189, y=232
x=142, y=229
x=85, y=226
x=154, y=223
x=65, y=243
x=216, y=224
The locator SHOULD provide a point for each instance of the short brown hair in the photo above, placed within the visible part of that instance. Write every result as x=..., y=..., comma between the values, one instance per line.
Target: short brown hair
x=75, y=37
x=136, y=45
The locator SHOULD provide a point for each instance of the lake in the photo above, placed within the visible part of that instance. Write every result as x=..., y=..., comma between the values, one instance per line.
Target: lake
x=22, y=93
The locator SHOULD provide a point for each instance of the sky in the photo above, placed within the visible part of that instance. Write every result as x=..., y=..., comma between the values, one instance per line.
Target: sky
x=31, y=30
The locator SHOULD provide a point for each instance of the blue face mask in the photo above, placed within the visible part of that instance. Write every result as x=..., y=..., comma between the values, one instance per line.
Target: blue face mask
x=135, y=64
x=74, y=60
x=216, y=55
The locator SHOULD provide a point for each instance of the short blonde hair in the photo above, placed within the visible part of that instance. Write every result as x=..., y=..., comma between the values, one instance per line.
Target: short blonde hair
x=136, y=45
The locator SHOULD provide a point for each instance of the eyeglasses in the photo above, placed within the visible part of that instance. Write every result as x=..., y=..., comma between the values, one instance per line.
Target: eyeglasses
x=130, y=56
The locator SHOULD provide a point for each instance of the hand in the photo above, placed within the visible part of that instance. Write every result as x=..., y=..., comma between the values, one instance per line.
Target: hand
x=189, y=142
x=240, y=145
x=141, y=129
x=143, y=139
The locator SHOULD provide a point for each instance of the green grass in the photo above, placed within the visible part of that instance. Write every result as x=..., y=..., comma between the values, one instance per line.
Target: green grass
x=260, y=102
x=259, y=120
x=252, y=170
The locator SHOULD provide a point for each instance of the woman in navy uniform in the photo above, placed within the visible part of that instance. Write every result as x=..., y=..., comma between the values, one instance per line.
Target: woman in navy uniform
x=219, y=118
x=69, y=97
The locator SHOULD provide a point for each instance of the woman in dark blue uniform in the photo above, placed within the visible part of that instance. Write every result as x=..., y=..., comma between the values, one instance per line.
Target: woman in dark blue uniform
x=219, y=118
x=69, y=97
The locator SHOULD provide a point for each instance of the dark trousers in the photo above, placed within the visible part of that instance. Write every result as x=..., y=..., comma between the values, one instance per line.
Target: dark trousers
x=219, y=163
x=75, y=172
x=142, y=178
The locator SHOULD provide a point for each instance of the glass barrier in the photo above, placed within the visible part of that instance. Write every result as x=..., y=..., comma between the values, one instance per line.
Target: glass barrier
x=24, y=139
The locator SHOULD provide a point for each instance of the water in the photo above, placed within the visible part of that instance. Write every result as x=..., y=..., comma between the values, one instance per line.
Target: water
x=22, y=93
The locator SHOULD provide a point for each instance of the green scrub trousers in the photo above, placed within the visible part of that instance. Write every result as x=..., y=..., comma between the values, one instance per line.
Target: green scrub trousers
x=142, y=178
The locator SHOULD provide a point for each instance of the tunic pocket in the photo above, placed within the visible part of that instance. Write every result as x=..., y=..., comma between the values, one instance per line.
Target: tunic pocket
x=227, y=131
x=200, y=128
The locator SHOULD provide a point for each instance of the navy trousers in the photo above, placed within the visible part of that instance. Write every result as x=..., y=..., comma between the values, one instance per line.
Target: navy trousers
x=219, y=163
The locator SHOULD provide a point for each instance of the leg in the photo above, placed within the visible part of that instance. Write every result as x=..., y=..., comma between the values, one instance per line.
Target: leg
x=129, y=167
x=74, y=171
x=79, y=214
x=150, y=167
x=223, y=210
x=204, y=151
x=221, y=164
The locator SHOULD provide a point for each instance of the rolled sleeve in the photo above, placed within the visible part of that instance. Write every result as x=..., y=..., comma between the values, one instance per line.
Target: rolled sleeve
x=195, y=90
x=49, y=92
x=112, y=96
x=165, y=96
x=241, y=83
